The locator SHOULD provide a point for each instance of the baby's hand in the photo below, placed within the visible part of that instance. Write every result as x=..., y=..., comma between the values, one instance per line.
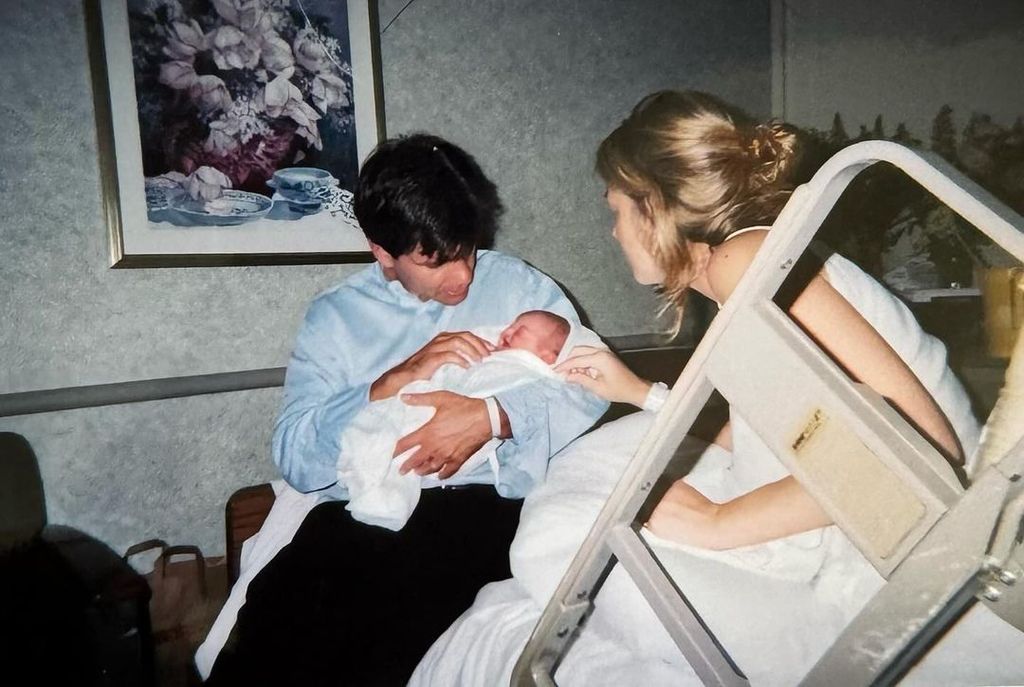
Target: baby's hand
x=601, y=372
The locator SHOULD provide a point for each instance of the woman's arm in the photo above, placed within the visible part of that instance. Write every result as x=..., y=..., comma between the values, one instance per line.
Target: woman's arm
x=847, y=338
x=775, y=510
x=783, y=508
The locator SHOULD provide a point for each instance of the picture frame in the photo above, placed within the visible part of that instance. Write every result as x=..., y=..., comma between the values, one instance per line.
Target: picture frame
x=231, y=131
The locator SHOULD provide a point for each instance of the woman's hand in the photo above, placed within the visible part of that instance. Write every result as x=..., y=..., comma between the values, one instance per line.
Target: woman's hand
x=601, y=372
x=686, y=516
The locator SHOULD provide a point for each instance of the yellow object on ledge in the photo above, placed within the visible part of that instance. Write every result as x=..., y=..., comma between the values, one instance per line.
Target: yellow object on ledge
x=1002, y=293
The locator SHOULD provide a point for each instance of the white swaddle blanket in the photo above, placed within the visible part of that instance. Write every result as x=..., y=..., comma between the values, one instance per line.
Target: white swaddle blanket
x=378, y=494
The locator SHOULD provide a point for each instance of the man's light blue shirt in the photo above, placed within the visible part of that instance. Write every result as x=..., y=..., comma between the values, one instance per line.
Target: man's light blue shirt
x=366, y=325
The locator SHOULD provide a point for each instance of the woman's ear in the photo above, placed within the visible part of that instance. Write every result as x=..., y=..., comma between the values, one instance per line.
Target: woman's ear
x=700, y=256
x=646, y=208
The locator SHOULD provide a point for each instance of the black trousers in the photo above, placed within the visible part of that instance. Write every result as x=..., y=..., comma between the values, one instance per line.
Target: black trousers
x=349, y=604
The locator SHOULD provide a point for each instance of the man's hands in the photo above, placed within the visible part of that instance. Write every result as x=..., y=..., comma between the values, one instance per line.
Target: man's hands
x=459, y=348
x=459, y=427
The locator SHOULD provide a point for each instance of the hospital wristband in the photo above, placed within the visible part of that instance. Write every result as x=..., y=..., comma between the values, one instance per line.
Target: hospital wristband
x=656, y=397
x=493, y=416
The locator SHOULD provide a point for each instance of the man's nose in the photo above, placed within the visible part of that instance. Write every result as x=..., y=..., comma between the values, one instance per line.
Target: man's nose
x=460, y=273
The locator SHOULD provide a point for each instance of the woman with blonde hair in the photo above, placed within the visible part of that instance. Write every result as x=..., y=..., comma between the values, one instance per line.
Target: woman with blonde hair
x=694, y=185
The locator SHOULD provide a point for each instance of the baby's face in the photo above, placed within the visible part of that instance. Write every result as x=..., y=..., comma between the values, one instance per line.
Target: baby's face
x=534, y=332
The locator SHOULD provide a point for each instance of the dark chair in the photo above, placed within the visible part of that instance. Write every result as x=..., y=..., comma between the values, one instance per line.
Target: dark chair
x=72, y=611
x=244, y=515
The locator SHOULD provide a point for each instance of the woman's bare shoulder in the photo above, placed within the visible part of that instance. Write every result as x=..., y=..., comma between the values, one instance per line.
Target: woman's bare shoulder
x=729, y=260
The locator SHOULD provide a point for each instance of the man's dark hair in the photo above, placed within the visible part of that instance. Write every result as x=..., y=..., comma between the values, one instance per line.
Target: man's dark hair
x=421, y=190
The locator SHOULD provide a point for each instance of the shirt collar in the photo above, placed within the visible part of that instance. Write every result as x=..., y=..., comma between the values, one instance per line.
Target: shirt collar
x=397, y=293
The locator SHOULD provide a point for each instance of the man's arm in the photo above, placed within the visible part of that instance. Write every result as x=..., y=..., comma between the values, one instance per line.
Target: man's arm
x=447, y=348
x=320, y=398
x=326, y=386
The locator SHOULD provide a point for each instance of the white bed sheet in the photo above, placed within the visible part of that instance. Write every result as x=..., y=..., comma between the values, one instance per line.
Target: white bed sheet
x=482, y=646
x=775, y=607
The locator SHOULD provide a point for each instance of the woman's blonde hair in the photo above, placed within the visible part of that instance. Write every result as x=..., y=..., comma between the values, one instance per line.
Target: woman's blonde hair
x=699, y=169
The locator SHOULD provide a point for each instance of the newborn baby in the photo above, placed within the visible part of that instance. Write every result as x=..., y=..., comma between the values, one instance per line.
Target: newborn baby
x=537, y=331
x=378, y=494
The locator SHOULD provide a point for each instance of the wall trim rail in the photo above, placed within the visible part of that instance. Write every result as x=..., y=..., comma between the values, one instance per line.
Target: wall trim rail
x=72, y=397
x=69, y=398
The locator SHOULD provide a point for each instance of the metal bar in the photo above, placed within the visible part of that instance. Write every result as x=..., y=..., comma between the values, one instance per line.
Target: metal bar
x=698, y=644
x=585, y=573
x=68, y=398
x=562, y=624
x=820, y=424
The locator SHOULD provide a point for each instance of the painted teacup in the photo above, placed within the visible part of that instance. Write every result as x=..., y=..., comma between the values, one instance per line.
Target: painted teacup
x=301, y=183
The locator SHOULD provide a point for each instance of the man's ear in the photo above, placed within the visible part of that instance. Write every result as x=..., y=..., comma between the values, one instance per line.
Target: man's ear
x=382, y=256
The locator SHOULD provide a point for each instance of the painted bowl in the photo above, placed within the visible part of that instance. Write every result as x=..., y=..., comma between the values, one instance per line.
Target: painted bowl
x=233, y=207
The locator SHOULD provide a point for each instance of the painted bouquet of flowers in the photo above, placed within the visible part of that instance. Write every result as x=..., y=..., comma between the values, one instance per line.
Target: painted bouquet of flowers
x=231, y=90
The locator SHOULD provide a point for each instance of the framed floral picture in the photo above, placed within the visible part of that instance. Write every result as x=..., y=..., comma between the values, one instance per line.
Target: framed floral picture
x=231, y=131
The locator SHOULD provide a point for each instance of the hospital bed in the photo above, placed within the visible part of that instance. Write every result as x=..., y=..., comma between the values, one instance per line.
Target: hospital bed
x=939, y=546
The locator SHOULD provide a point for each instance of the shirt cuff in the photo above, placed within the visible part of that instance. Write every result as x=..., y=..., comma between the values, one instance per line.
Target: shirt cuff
x=493, y=416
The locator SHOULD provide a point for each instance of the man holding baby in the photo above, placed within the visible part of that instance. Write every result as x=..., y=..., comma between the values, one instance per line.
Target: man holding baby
x=346, y=603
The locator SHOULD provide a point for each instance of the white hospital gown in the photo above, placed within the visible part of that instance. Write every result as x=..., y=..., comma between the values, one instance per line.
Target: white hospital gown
x=802, y=557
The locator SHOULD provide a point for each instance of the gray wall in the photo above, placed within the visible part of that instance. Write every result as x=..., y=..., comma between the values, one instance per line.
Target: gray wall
x=530, y=87
x=903, y=60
